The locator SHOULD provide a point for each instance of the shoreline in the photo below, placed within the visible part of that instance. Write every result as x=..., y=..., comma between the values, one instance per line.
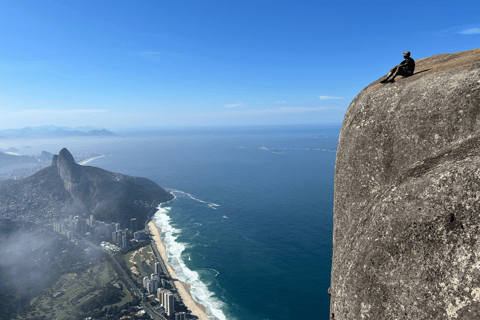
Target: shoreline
x=89, y=159
x=183, y=288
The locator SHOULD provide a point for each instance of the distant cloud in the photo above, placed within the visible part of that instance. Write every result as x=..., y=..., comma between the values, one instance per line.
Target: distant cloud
x=463, y=29
x=471, y=31
x=285, y=110
x=278, y=115
x=14, y=118
x=329, y=97
x=281, y=102
x=234, y=105
x=261, y=112
x=58, y=112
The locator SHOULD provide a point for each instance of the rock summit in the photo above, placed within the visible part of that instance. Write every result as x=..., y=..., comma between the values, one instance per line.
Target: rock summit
x=406, y=238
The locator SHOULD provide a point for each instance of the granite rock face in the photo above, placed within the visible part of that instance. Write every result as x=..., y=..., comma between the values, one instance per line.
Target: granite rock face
x=107, y=195
x=66, y=188
x=406, y=238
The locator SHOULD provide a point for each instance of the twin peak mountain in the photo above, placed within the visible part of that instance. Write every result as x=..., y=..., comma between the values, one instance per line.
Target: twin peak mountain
x=69, y=188
x=109, y=196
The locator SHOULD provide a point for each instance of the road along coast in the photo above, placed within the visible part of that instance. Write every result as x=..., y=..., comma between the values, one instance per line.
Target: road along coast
x=182, y=288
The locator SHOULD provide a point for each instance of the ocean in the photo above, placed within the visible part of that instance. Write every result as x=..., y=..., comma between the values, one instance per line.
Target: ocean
x=251, y=225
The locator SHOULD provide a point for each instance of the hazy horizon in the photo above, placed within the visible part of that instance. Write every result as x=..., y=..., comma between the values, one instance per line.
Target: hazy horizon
x=127, y=129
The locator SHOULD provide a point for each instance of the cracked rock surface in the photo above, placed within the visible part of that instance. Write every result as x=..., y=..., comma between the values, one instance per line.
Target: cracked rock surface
x=407, y=196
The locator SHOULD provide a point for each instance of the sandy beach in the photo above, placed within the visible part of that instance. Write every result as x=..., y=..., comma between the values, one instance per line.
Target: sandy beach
x=183, y=288
x=88, y=160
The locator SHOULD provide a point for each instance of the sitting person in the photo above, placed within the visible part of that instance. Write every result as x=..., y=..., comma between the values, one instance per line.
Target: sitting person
x=405, y=68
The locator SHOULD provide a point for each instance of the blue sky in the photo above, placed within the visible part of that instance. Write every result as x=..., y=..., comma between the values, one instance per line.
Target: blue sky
x=131, y=64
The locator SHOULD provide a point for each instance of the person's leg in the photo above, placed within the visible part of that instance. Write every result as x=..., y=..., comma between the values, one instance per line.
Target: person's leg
x=400, y=72
x=397, y=70
x=392, y=71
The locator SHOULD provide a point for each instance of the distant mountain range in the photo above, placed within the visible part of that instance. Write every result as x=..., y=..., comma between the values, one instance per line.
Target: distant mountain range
x=9, y=159
x=54, y=132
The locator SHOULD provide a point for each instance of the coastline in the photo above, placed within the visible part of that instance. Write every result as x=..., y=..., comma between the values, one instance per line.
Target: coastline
x=89, y=159
x=183, y=288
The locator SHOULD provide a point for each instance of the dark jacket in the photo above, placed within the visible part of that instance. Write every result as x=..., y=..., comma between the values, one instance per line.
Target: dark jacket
x=408, y=65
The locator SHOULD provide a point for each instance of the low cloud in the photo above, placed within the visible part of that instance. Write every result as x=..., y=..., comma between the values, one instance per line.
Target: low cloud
x=471, y=31
x=12, y=118
x=456, y=30
x=234, y=105
x=56, y=112
x=278, y=115
x=236, y=114
x=285, y=110
x=329, y=97
x=259, y=112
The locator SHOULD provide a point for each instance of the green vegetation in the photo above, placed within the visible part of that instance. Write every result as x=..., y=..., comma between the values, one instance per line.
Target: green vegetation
x=80, y=294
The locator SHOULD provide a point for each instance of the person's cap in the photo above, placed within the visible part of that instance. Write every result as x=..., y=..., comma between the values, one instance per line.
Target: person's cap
x=406, y=53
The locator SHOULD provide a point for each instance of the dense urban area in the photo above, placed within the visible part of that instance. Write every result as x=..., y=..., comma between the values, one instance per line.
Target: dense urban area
x=87, y=247
x=62, y=263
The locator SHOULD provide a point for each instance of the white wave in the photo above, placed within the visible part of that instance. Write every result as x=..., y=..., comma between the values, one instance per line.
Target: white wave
x=210, y=204
x=198, y=289
x=216, y=272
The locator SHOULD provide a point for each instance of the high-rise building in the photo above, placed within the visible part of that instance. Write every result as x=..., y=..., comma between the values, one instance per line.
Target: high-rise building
x=119, y=237
x=154, y=276
x=158, y=267
x=153, y=286
x=133, y=225
x=114, y=237
x=164, y=299
x=91, y=217
x=124, y=241
x=146, y=281
x=169, y=304
x=117, y=226
x=160, y=295
x=180, y=316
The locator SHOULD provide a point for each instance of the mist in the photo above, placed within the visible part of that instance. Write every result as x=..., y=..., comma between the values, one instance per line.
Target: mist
x=32, y=259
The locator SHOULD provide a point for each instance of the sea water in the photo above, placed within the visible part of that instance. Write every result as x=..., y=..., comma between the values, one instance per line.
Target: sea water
x=251, y=226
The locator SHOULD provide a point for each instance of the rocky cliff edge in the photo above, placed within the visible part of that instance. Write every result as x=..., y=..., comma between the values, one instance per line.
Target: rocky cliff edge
x=407, y=196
